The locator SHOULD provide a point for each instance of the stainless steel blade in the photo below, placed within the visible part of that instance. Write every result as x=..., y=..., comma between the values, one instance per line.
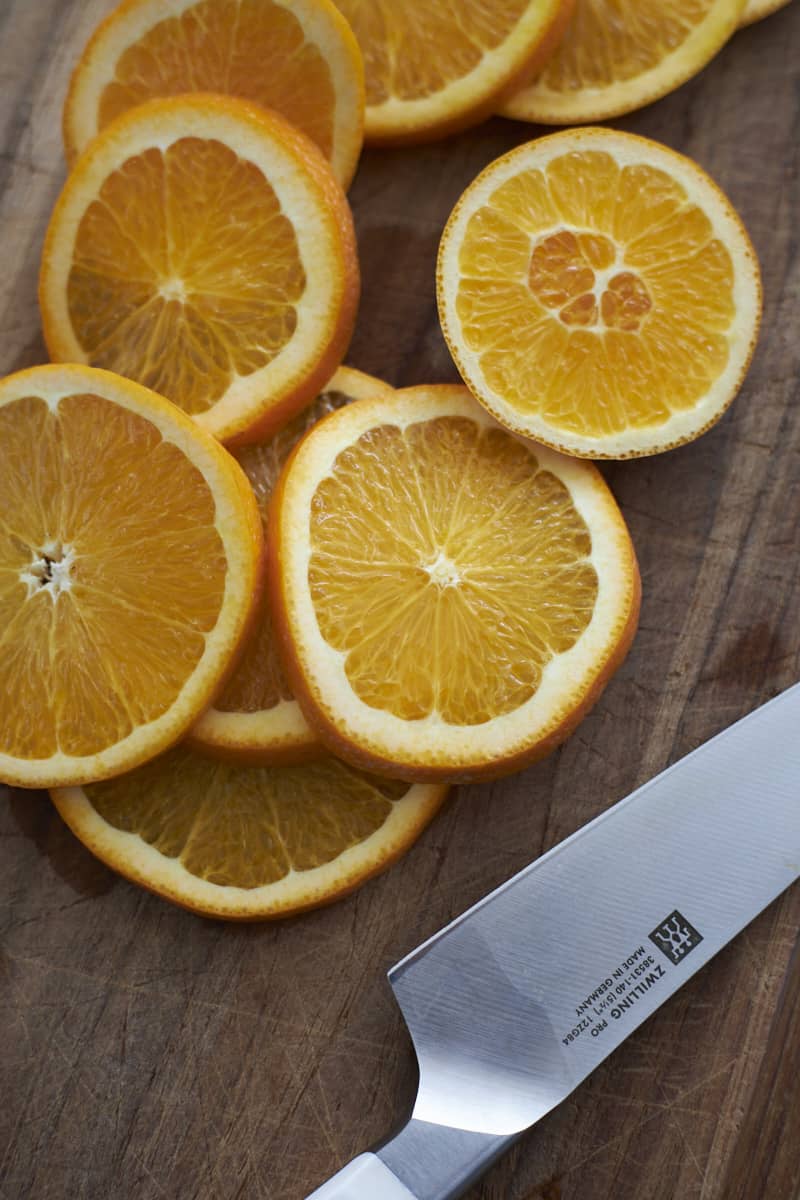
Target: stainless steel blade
x=519, y=999
x=512, y=1005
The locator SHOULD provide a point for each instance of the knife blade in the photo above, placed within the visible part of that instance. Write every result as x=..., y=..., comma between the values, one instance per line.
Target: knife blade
x=517, y=1001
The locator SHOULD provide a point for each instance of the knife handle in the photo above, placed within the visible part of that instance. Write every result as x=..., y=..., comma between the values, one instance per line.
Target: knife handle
x=423, y=1161
x=365, y=1178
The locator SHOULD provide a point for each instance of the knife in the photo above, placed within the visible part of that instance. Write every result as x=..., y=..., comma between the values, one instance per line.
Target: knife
x=512, y=1005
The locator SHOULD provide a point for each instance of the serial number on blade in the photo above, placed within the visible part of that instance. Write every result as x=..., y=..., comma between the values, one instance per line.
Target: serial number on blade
x=615, y=995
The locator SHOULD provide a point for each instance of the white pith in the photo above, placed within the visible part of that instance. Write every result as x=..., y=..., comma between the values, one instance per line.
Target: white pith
x=49, y=570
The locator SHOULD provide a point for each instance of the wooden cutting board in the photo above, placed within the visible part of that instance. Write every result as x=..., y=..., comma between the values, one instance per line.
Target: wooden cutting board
x=147, y=1054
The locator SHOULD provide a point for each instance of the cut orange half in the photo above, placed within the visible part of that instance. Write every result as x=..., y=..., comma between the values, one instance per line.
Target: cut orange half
x=256, y=719
x=130, y=565
x=298, y=57
x=756, y=10
x=247, y=843
x=202, y=246
x=434, y=67
x=451, y=598
x=599, y=294
x=618, y=55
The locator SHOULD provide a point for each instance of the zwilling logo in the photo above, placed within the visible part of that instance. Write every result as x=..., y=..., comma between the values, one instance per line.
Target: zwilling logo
x=675, y=937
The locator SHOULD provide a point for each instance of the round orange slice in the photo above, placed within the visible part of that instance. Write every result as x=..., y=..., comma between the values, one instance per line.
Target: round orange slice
x=130, y=566
x=599, y=294
x=451, y=599
x=756, y=10
x=247, y=843
x=256, y=719
x=618, y=55
x=298, y=57
x=434, y=67
x=203, y=247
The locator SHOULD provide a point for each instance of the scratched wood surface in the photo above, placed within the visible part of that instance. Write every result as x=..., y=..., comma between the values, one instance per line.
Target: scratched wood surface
x=145, y=1053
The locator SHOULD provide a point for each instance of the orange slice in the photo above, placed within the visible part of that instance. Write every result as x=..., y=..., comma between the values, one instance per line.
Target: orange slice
x=130, y=565
x=298, y=57
x=202, y=246
x=256, y=718
x=756, y=10
x=247, y=843
x=451, y=599
x=434, y=67
x=599, y=294
x=618, y=55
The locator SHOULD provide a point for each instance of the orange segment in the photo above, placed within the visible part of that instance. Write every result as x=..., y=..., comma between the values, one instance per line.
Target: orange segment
x=618, y=55
x=433, y=66
x=203, y=249
x=256, y=718
x=298, y=58
x=248, y=843
x=599, y=294
x=129, y=571
x=450, y=598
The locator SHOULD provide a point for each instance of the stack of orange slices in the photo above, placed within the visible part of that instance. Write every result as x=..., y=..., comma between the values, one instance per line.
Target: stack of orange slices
x=255, y=719
x=259, y=610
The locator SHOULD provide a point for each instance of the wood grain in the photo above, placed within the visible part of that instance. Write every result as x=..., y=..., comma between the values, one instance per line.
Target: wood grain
x=147, y=1054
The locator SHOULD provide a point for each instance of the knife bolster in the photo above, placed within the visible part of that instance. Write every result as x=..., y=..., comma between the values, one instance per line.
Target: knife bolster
x=437, y=1162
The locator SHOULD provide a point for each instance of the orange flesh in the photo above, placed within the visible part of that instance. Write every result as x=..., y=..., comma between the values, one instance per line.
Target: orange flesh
x=111, y=574
x=246, y=827
x=168, y=285
x=252, y=49
x=609, y=41
x=460, y=579
x=396, y=41
x=594, y=295
x=259, y=682
x=562, y=276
